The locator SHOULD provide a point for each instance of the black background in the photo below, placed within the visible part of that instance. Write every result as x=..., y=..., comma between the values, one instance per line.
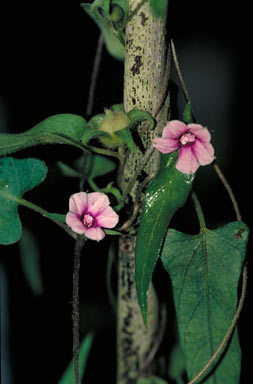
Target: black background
x=47, y=52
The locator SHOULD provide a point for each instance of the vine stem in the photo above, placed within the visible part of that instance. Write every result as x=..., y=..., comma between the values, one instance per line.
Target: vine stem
x=44, y=213
x=94, y=75
x=175, y=59
x=229, y=190
x=79, y=243
x=199, y=211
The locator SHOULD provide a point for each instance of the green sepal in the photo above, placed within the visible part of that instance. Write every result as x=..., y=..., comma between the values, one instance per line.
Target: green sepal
x=205, y=271
x=16, y=178
x=126, y=135
x=159, y=7
x=57, y=129
x=137, y=115
x=68, y=375
x=166, y=193
x=117, y=108
x=187, y=114
x=113, y=190
x=113, y=40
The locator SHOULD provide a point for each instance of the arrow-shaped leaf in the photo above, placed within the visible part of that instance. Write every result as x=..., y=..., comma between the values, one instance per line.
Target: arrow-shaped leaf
x=166, y=193
x=205, y=270
x=57, y=129
x=16, y=178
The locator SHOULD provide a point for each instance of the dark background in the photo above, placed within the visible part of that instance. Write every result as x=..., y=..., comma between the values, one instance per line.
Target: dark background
x=47, y=52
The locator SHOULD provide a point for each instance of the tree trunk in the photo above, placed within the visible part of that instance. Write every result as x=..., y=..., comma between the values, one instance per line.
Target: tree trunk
x=145, y=63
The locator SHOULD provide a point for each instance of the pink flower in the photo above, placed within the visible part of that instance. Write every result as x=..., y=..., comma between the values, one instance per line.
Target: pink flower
x=193, y=141
x=88, y=212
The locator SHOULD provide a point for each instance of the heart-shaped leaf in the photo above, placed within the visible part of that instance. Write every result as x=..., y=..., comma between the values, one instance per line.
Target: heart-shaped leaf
x=16, y=178
x=57, y=129
x=205, y=270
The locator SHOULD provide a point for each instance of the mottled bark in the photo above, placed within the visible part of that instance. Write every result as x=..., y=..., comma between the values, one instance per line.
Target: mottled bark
x=145, y=63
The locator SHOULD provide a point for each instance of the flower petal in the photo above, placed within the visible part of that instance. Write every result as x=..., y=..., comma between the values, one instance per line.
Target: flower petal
x=204, y=152
x=108, y=218
x=174, y=129
x=200, y=132
x=94, y=233
x=78, y=202
x=187, y=162
x=73, y=221
x=165, y=145
x=97, y=203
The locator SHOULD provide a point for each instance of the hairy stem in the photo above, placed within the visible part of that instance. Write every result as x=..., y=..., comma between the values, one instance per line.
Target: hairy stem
x=79, y=243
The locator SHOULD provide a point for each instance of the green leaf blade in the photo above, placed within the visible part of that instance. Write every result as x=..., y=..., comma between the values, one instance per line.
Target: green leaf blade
x=167, y=192
x=205, y=271
x=57, y=129
x=16, y=178
x=30, y=261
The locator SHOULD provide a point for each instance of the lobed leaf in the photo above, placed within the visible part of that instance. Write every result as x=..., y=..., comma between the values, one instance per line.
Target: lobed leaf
x=205, y=270
x=16, y=178
x=57, y=129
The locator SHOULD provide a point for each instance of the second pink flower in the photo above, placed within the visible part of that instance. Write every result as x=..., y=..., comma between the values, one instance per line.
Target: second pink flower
x=193, y=141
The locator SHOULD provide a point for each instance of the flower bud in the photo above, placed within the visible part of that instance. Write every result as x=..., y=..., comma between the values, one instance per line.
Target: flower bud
x=113, y=123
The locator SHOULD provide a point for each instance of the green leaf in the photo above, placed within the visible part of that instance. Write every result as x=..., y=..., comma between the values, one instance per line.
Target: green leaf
x=68, y=376
x=113, y=42
x=166, y=193
x=56, y=216
x=159, y=7
x=16, y=178
x=112, y=232
x=151, y=380
x=137, y=115
x=30, y=261
x=177, y=364
x=67, y=170
x=187, y=114
x=57, y=129
x=205, y=270
x=98, y=165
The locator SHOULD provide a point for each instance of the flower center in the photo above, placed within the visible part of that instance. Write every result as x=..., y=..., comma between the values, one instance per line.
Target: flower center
x=88, y=220
x=187, y=138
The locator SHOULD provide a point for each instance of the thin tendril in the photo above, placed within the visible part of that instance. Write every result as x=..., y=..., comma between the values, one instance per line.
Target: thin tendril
x=94, y=76
x=229, y=190
x=175, y=59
